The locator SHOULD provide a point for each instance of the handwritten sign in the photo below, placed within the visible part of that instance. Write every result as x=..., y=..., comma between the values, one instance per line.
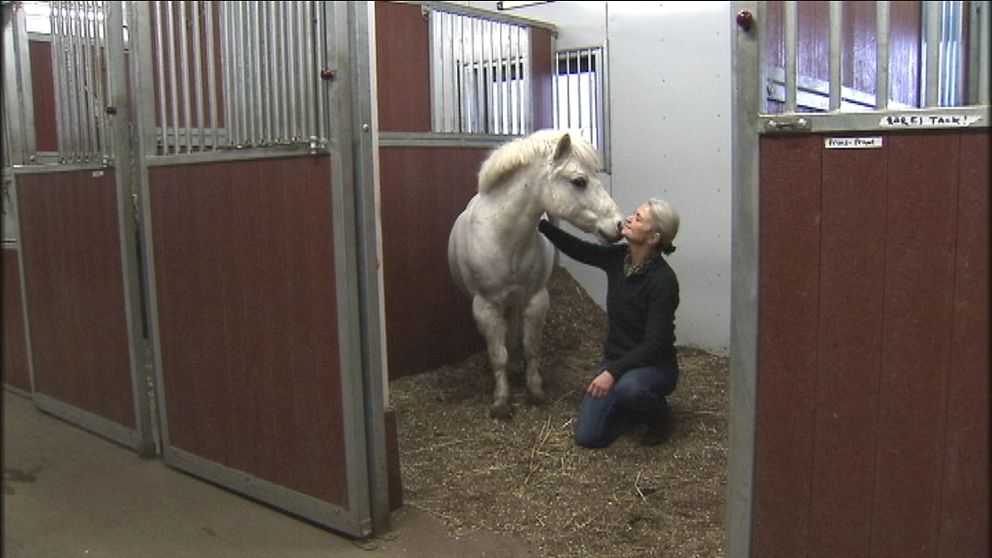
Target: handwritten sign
x=853, y=143
x=929, y=120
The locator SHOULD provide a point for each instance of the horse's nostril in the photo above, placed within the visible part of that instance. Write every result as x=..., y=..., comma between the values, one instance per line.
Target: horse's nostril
x=619, y=226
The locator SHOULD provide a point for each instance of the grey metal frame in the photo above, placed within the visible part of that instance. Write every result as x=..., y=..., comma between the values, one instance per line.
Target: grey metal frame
x=749, y=123
x=344, y=28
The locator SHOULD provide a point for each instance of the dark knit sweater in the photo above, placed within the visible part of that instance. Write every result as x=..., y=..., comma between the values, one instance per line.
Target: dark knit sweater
x=641, y=307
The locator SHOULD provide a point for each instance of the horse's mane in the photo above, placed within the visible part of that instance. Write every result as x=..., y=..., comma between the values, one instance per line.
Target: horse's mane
x=521, y=152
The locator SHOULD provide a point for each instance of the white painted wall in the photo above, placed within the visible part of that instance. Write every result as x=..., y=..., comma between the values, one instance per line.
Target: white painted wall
x=670, y=129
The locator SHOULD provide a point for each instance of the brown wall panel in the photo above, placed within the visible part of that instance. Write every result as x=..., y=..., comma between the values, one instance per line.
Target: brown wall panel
x=787, y=344
x=43, y=89
x=402, y=68
x=964, y=521
x=244, y=262
x=850, y=327
x=919, y=288
x=428, y=320
x=75, y=291
x=15, y=351
x=542, y=77
x=894, y=385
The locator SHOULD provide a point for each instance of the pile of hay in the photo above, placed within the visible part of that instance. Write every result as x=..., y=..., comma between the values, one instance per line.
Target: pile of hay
x=526, y=476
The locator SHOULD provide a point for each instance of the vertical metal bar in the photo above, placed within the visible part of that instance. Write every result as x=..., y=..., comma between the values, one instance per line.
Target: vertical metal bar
x=301, y=56
x=60, y=105
x=567, y=122
x=981, y=21
x=882, y=11
x=266, y=81
x=447, y=30
x=461, y=98
x=113, y=17
x=285, y=62
x=293, y=60
x=478, y=56
x=198, y=9
x=494, y=78
x=173, y=78
x=254, y=93
x=225, y=67
x=836, y=81
x=73, y=65
x=310, y=132
x=931, y=25
x=105, y=28
x=208, y=25
x=159, y=49
x=90, y=100
x=523, y=68
x=280, y=84
x=791, y=17
x=223, y=96
x=485, y=39
x=184, y=68
x=81, y=71
x=240, y=80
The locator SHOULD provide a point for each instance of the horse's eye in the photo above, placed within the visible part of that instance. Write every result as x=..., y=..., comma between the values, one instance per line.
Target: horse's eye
x=579, y=182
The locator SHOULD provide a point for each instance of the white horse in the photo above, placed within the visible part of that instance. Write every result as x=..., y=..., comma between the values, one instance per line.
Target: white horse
x=498, y=257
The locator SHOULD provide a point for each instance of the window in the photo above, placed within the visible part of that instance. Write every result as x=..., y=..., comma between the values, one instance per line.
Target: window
x=479, y=75
x=580, y=95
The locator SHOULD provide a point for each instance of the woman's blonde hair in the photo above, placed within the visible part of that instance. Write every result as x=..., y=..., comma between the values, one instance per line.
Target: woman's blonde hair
x=666, y=223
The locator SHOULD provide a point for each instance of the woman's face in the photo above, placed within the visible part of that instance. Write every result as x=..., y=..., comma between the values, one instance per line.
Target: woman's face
x=638, y=227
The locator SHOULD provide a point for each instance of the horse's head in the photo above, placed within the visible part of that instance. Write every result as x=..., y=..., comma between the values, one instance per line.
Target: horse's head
x=573, y=191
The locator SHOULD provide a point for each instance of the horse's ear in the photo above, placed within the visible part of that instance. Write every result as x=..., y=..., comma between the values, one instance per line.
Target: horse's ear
x=563, y=147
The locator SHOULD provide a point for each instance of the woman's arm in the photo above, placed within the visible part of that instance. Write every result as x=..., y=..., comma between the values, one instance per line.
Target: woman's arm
x=579, y=250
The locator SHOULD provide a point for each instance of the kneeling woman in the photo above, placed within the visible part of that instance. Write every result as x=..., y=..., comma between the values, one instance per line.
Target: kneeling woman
x=639, y=367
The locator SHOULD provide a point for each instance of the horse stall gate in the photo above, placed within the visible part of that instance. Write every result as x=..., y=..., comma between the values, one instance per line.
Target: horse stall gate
x=860, y=357
x=194, y=215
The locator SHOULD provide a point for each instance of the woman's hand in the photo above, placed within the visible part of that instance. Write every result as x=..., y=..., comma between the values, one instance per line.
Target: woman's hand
x=600, y=385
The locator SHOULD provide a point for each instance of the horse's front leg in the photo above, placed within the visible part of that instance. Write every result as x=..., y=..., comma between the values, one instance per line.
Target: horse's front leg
x=492, y=325
x=534, y=316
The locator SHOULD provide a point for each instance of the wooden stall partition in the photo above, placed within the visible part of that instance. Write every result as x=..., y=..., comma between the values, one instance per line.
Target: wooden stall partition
x=872, y=404
x=75, y=292
x=542, y=76
x=964, y=502
x=789, y=294
x=428, y=320
x=16, y=371
x=247, y=320
x=403, y=67
x=42, y=86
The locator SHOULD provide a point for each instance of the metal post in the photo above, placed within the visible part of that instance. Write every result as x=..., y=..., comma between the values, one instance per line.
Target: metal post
x=791, y=20
x=836, y=20
x=931, y=26
x=882, y=10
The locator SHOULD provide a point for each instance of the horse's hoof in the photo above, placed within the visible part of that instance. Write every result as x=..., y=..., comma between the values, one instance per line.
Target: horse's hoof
x=501, y=411
x=535, y=398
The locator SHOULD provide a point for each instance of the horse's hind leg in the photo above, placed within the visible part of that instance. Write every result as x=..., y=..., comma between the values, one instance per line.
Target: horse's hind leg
x=492, y=325
x=534, y=315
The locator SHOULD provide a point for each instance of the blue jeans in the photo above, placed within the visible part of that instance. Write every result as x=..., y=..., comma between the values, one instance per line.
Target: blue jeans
x=638, y=394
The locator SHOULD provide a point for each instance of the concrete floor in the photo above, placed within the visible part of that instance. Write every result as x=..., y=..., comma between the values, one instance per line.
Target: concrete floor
x=67, y=493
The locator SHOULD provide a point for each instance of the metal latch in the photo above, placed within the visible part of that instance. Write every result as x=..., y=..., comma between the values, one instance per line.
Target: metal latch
x=787, y=124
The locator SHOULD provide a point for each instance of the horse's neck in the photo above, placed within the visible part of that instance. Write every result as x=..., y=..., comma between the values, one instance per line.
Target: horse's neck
x=515, y=211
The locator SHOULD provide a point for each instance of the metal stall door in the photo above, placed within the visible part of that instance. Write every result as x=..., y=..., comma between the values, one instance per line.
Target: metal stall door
x=252, y=251
x=76, y=224
x=859, y=389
